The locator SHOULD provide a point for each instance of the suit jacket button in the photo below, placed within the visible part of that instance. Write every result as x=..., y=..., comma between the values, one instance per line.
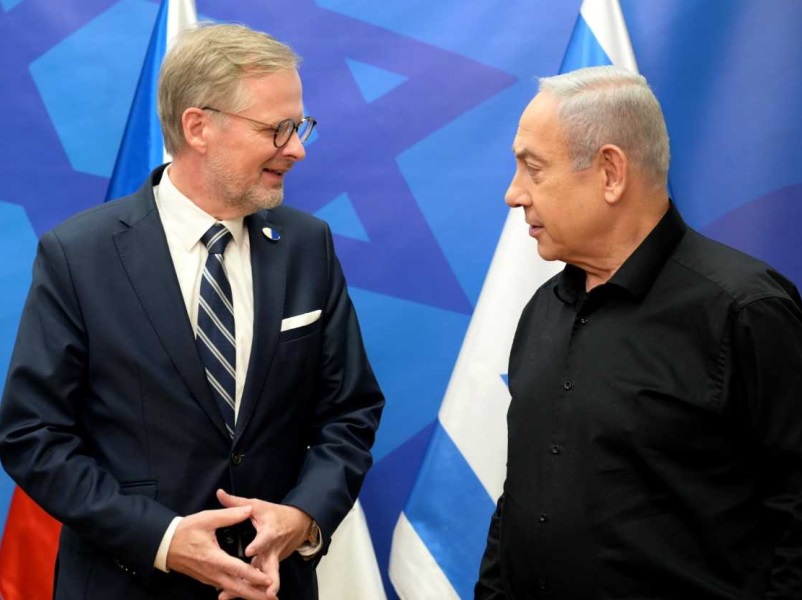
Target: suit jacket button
x=236, y=458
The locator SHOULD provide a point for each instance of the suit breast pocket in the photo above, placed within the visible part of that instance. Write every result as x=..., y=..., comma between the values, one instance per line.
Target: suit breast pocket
x=300, y=325
x=300, y=332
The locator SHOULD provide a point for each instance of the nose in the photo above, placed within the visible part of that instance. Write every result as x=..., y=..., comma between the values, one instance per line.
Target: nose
x=294, y=148
x=516, y=194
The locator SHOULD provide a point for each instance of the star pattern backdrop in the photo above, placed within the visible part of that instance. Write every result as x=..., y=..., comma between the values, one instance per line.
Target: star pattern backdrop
x=417, y=103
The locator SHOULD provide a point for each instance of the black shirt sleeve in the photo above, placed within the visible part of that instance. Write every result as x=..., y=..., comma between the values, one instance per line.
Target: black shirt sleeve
x=490, y=585
x=768, y=374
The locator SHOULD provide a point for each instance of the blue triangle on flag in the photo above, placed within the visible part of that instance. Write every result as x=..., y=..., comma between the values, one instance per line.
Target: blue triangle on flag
x=342, y=218
x=373, y=82
x=506, y=379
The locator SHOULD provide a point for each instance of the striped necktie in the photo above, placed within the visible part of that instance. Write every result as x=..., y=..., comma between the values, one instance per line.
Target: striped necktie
x=215, y=336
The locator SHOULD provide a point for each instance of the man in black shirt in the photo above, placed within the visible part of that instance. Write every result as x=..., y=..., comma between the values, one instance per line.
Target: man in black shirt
x=655, y=428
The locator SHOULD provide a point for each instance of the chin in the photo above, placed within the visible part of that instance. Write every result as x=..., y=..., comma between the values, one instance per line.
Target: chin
x=273, y=200
x=263, y=199
x=545, y=253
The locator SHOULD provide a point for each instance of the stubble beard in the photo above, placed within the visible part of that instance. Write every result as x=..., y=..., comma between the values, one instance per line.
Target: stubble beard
x=246, y=199
x=255, y=198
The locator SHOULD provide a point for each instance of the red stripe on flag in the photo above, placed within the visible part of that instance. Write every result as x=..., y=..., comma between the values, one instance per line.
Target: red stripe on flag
x=28, y=551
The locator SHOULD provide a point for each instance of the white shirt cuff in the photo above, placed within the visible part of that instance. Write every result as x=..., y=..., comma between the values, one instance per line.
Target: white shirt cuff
x=161, y=556
x=309, y=549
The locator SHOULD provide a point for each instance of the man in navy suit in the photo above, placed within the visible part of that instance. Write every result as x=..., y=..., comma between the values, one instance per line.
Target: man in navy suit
x=114, y=420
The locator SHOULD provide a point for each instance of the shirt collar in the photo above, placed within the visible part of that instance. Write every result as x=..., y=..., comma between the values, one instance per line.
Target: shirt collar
x=639, y=271
x=570, y=285
x=186, y=219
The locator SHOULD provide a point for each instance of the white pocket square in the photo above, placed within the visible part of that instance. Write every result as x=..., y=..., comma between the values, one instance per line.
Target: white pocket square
x=300, y=320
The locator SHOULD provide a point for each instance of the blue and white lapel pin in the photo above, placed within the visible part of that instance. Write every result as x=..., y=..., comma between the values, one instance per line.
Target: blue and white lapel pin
x=271, y=234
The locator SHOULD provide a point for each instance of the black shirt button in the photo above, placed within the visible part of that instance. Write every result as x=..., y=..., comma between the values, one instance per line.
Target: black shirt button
x=236, y=458
x=568, y=385
x=541, y=584
x=555, y=449
x=543, y=518
x=584, y=320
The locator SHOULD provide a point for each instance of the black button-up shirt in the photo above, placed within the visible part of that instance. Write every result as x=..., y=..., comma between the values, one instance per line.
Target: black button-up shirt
x=655, y=432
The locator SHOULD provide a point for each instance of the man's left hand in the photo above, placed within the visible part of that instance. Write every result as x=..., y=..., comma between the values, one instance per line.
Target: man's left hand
x=280, y=530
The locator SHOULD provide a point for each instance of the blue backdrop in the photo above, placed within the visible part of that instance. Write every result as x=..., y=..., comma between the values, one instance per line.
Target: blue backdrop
x=417, y=103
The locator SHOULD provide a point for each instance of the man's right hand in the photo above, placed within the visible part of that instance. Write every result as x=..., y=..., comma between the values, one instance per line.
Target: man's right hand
x=194, y=551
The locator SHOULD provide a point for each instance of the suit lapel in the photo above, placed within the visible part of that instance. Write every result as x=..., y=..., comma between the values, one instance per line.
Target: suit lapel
x=144, y=253
x=269, y=266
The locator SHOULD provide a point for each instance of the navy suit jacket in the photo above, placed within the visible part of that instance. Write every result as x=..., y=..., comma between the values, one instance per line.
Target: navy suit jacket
x=107, y=420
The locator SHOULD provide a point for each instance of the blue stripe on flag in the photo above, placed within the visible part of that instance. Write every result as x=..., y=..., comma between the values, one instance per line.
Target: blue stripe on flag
x=449, y=509
x=142, y=146
x=584, y=49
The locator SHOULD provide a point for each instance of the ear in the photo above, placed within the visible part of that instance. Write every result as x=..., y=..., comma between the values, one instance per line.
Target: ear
x=615, y=169
x=195, y=125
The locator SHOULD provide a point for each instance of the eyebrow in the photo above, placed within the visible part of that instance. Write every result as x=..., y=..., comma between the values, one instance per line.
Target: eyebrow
x=525, y=153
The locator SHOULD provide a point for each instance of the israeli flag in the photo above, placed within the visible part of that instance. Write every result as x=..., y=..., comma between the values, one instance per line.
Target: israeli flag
x=440, y=536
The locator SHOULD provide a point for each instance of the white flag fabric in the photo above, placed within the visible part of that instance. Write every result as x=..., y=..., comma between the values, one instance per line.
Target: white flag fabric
x=349, y=571
x=440, y=537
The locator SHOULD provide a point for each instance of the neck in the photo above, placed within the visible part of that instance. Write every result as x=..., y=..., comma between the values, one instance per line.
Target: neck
x=183, y=173
x=634, y=218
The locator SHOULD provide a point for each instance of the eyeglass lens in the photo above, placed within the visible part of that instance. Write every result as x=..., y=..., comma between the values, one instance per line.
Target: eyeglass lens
x=285, y=128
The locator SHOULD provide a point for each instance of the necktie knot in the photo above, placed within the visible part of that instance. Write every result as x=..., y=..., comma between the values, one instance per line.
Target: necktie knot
x=216, y=238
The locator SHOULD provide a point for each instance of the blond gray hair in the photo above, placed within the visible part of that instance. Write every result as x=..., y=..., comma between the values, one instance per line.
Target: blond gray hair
x=610, y=105
x=205, y=67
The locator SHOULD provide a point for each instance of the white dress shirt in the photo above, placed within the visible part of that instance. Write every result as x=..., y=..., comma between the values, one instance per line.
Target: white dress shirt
x=184, y=225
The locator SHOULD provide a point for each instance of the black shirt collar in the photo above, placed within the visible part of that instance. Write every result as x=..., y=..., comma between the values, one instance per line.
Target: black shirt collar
x=638, y=272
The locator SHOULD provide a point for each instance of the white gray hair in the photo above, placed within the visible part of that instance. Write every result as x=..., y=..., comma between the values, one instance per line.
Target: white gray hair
x=205, y=67
x=610, y=105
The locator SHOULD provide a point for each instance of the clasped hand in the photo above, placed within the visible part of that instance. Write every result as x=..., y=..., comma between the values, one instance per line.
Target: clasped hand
x=194, y=550
x=280, y=530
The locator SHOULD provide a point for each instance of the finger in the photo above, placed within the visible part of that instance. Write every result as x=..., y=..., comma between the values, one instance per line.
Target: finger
x=261, y=543
x=248, y=573
x=229, y=500
x=238, y=589
x=229, y=571
x=258, y=545
x=224, y=517
x=230, y=587
x=269, y=565
x=270, y=568
x=224, y=595
x=227, y=595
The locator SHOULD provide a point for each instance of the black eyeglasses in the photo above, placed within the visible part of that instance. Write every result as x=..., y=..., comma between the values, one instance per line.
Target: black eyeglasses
x=281, y=132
